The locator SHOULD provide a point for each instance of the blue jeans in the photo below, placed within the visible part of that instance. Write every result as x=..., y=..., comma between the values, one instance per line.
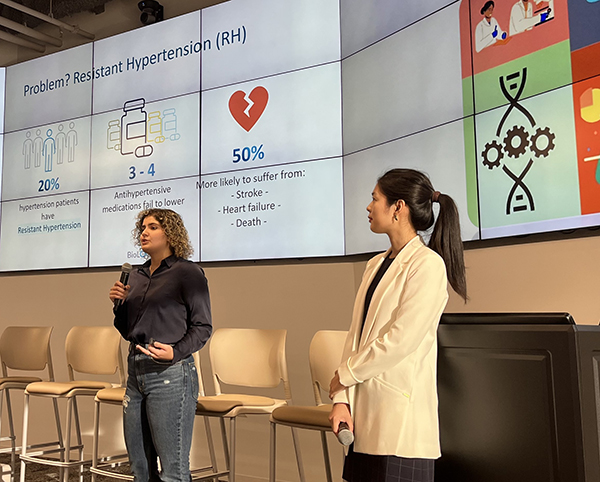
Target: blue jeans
x=158, y=417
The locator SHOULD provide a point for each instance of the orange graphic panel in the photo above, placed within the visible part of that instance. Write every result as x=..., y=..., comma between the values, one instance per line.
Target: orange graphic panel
x=585, y=62
x=509, y=30
x=586, y=97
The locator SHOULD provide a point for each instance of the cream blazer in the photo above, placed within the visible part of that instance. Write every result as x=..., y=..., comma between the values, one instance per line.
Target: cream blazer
x=390, y=371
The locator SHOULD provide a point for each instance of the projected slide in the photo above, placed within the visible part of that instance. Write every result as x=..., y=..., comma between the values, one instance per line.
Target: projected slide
x=587, y=124
x=438, y=152
x=509, y=37
x=113, y=214
x=286, y=211
x=2, y=89
x=266, y=124
x=528, y=163
x=364, y=23
x=152, y=63
x=145, y=142
x=248, y=39
x=391, y=89
x=49, y=89
x=47, y=160
x=273, y=121
x=1, y=165
x=50, y=232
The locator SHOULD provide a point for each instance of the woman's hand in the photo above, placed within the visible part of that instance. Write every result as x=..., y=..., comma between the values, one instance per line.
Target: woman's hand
x=340, y=413
x=335, y=386
x=158, y=351
x=118, y=292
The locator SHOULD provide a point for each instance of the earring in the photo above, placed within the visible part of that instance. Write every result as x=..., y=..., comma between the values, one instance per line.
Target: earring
x=395, y=218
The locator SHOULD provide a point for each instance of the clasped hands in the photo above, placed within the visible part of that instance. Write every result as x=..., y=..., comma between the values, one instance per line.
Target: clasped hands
x=157, y=350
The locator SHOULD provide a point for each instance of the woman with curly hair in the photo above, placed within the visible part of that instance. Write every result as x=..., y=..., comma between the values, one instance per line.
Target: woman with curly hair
x=164, y=313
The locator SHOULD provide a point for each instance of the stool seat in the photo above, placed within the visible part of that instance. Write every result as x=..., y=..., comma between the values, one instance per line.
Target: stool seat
x=232, y=405
x=17, y=382
x=305, y=415
x=215, y=405
x=112, y=395
x=243, y=400
x=65, y=389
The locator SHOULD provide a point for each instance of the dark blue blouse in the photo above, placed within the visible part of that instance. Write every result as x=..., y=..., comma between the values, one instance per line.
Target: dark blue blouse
x=171, y=305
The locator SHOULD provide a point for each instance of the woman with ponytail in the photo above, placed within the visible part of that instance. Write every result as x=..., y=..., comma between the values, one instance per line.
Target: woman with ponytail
x=385, y=388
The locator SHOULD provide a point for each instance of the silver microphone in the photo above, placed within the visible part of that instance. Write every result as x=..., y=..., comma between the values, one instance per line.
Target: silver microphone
x=345, y=435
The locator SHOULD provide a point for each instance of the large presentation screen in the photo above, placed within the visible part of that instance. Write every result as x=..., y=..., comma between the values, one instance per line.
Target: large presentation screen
x=266, y=124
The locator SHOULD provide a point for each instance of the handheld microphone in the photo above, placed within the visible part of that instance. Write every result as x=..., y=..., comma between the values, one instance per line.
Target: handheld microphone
x=344, y=435
x=125, y=270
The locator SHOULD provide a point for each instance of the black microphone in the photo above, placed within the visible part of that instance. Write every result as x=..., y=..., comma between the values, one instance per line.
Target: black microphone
x=344, y=435
x=125, y=270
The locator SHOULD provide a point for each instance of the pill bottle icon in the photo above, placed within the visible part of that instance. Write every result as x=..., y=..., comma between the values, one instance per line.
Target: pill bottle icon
x=133, y=126
x=113, y=135
x=170, y=125
x=155, y=127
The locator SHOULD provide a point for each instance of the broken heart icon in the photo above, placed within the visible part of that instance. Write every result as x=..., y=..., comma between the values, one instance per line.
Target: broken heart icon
x=238, y=106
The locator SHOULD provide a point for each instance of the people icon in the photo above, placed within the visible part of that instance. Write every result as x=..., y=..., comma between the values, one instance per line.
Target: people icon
x=27, y=150
x=37, y=148
x=61, y=144
x=48, y=151
x=71, y=142
x=522, y=17
x=487, y=32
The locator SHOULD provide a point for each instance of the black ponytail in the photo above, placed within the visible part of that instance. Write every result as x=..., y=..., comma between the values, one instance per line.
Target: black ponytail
x=416, y=190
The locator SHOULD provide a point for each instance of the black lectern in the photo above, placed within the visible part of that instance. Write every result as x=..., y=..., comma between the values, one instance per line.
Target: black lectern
x=519, y=398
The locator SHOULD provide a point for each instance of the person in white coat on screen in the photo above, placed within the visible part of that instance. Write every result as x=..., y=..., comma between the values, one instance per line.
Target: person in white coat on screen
x=385, y=387
x=488, y=31
x=522, y=17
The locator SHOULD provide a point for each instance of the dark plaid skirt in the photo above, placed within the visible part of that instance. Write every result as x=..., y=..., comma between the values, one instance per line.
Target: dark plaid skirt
x=386, y=468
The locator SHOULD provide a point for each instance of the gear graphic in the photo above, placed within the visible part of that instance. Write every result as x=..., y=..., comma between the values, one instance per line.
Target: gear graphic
x=542, y=151
x=494, y=145
x=511, y=134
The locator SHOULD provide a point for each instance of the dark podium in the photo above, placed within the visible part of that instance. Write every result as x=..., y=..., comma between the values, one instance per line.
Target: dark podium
x=519, y=398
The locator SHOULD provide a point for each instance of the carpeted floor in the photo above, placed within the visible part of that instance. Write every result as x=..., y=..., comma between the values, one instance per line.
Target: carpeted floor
x=42, y=473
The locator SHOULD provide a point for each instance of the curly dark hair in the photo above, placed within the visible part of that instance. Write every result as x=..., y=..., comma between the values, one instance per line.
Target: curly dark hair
x=174, y=229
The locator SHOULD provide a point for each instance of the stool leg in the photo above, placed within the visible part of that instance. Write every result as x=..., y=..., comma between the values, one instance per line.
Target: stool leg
x=68, y=439
x=298, y=455
x=1, y=406
x=225, y=446
x=11, y=429
x=232, y=449
x=273, y=454
x=59, y=434
x=79, y=439
x=326, y=456
x=211, y=447
x=24, y=436
x=95, y=438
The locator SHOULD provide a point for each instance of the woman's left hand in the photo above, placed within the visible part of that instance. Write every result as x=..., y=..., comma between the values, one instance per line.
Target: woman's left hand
x=158, y=351
x=335, y=386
